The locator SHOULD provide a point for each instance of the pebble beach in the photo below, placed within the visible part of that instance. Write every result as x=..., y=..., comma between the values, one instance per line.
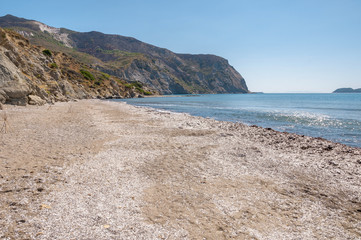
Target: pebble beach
x=95, y=169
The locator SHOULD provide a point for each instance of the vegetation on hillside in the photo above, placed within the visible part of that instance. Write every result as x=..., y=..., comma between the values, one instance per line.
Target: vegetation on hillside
x=47, y=52
x=87, y=75
x=58, y=76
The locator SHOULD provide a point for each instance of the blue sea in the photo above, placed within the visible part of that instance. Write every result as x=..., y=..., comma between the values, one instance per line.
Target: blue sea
x=336, y=117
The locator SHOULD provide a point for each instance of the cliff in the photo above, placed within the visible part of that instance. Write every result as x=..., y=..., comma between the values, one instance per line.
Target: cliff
x=35, y=75
x=135, y=61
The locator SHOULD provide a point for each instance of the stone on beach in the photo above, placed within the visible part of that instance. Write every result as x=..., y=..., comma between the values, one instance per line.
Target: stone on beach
x=108, y=170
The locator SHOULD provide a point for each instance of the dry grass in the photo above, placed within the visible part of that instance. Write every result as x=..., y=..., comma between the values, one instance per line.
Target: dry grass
x=5, y=125
x=70, y=108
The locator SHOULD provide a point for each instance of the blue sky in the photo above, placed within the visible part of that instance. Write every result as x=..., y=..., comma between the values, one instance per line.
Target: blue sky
x=277, y=45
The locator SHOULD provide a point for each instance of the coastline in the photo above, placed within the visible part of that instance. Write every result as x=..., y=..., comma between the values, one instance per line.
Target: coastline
x=273, y=111
x=103, y=170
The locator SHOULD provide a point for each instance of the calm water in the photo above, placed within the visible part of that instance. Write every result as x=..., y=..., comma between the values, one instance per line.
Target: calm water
x=336, y=117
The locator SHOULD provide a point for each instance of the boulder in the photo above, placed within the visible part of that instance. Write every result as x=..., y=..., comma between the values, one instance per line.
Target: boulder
x=18, y=101
x=13, y=84
x=36, y=100
x=132, y=94
x=67, y=89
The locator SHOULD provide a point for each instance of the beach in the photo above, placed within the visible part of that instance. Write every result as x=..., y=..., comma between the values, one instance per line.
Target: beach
x=95, y=169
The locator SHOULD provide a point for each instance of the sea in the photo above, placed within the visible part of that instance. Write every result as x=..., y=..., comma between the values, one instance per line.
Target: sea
x=336, y=117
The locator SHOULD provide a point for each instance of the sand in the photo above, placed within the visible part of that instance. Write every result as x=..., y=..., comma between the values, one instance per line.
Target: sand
x=104, y=170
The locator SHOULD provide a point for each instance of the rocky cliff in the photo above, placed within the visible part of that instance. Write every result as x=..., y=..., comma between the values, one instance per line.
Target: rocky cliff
x=135, y=61
x=35, y=75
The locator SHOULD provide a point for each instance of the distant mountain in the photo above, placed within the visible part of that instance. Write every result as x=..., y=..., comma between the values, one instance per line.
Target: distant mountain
x=135, y=61
x=347, y=90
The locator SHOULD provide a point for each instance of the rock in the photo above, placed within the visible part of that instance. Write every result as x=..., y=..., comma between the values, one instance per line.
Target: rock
x=114, y=85
x=67, y=89
x=36, y=100
x=55, y=75
x=107, y=96
x=18, y=101
x=60, y=98
x=132, y=94
x=328, y=148
x=1, y=106
x=41, y=93
x=13, y=84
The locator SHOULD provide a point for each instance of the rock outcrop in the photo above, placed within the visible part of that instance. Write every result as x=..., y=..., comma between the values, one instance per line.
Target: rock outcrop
x=34, y=75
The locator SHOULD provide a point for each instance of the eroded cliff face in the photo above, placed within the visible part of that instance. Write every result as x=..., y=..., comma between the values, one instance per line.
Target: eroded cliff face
x=13, y=84
x=133, y=60
x=35, y=75
x=165, y=71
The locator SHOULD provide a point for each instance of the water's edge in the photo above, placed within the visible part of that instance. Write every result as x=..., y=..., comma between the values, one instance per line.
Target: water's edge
x=337, y=119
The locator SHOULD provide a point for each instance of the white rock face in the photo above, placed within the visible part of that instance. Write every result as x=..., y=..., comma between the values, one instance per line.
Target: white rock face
x=55, y=32
x=36, y=100
x=26, y=34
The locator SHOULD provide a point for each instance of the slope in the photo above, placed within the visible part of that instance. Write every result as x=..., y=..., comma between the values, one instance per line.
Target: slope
x=35, y=75
x=135, y=61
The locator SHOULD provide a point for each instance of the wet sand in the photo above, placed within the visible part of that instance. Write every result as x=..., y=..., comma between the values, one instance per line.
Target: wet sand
x=103, y=170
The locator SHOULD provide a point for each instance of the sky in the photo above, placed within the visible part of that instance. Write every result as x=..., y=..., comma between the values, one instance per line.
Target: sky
x=276, y=45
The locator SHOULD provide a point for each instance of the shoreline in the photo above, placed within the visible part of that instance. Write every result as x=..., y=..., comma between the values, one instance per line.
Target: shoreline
x=250, y=125
x=103, y=169
x=156, y=110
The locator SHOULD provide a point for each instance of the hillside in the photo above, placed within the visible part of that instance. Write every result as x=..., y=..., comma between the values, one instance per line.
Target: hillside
x=133, y=60
x=35, y=75
x=347, y=90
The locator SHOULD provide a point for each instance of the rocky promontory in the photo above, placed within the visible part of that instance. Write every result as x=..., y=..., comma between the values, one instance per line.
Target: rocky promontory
x=135, y=61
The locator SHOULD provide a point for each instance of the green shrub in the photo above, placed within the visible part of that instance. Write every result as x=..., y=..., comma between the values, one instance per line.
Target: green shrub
x=98, y=82
x=47, y=52
x=140, y=89
x=137, y=84
x=87, y=75
x=105, y=75
x=128, y=85
x=53, y=65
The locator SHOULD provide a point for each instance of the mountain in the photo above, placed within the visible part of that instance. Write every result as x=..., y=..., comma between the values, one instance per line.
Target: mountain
x=135, y=61
x=347, y=90
x=34, y=75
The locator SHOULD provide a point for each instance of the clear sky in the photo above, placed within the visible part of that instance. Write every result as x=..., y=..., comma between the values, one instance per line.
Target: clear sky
x=277, y=45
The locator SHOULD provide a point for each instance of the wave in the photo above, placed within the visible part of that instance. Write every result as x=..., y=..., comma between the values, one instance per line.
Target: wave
x=291, y=113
